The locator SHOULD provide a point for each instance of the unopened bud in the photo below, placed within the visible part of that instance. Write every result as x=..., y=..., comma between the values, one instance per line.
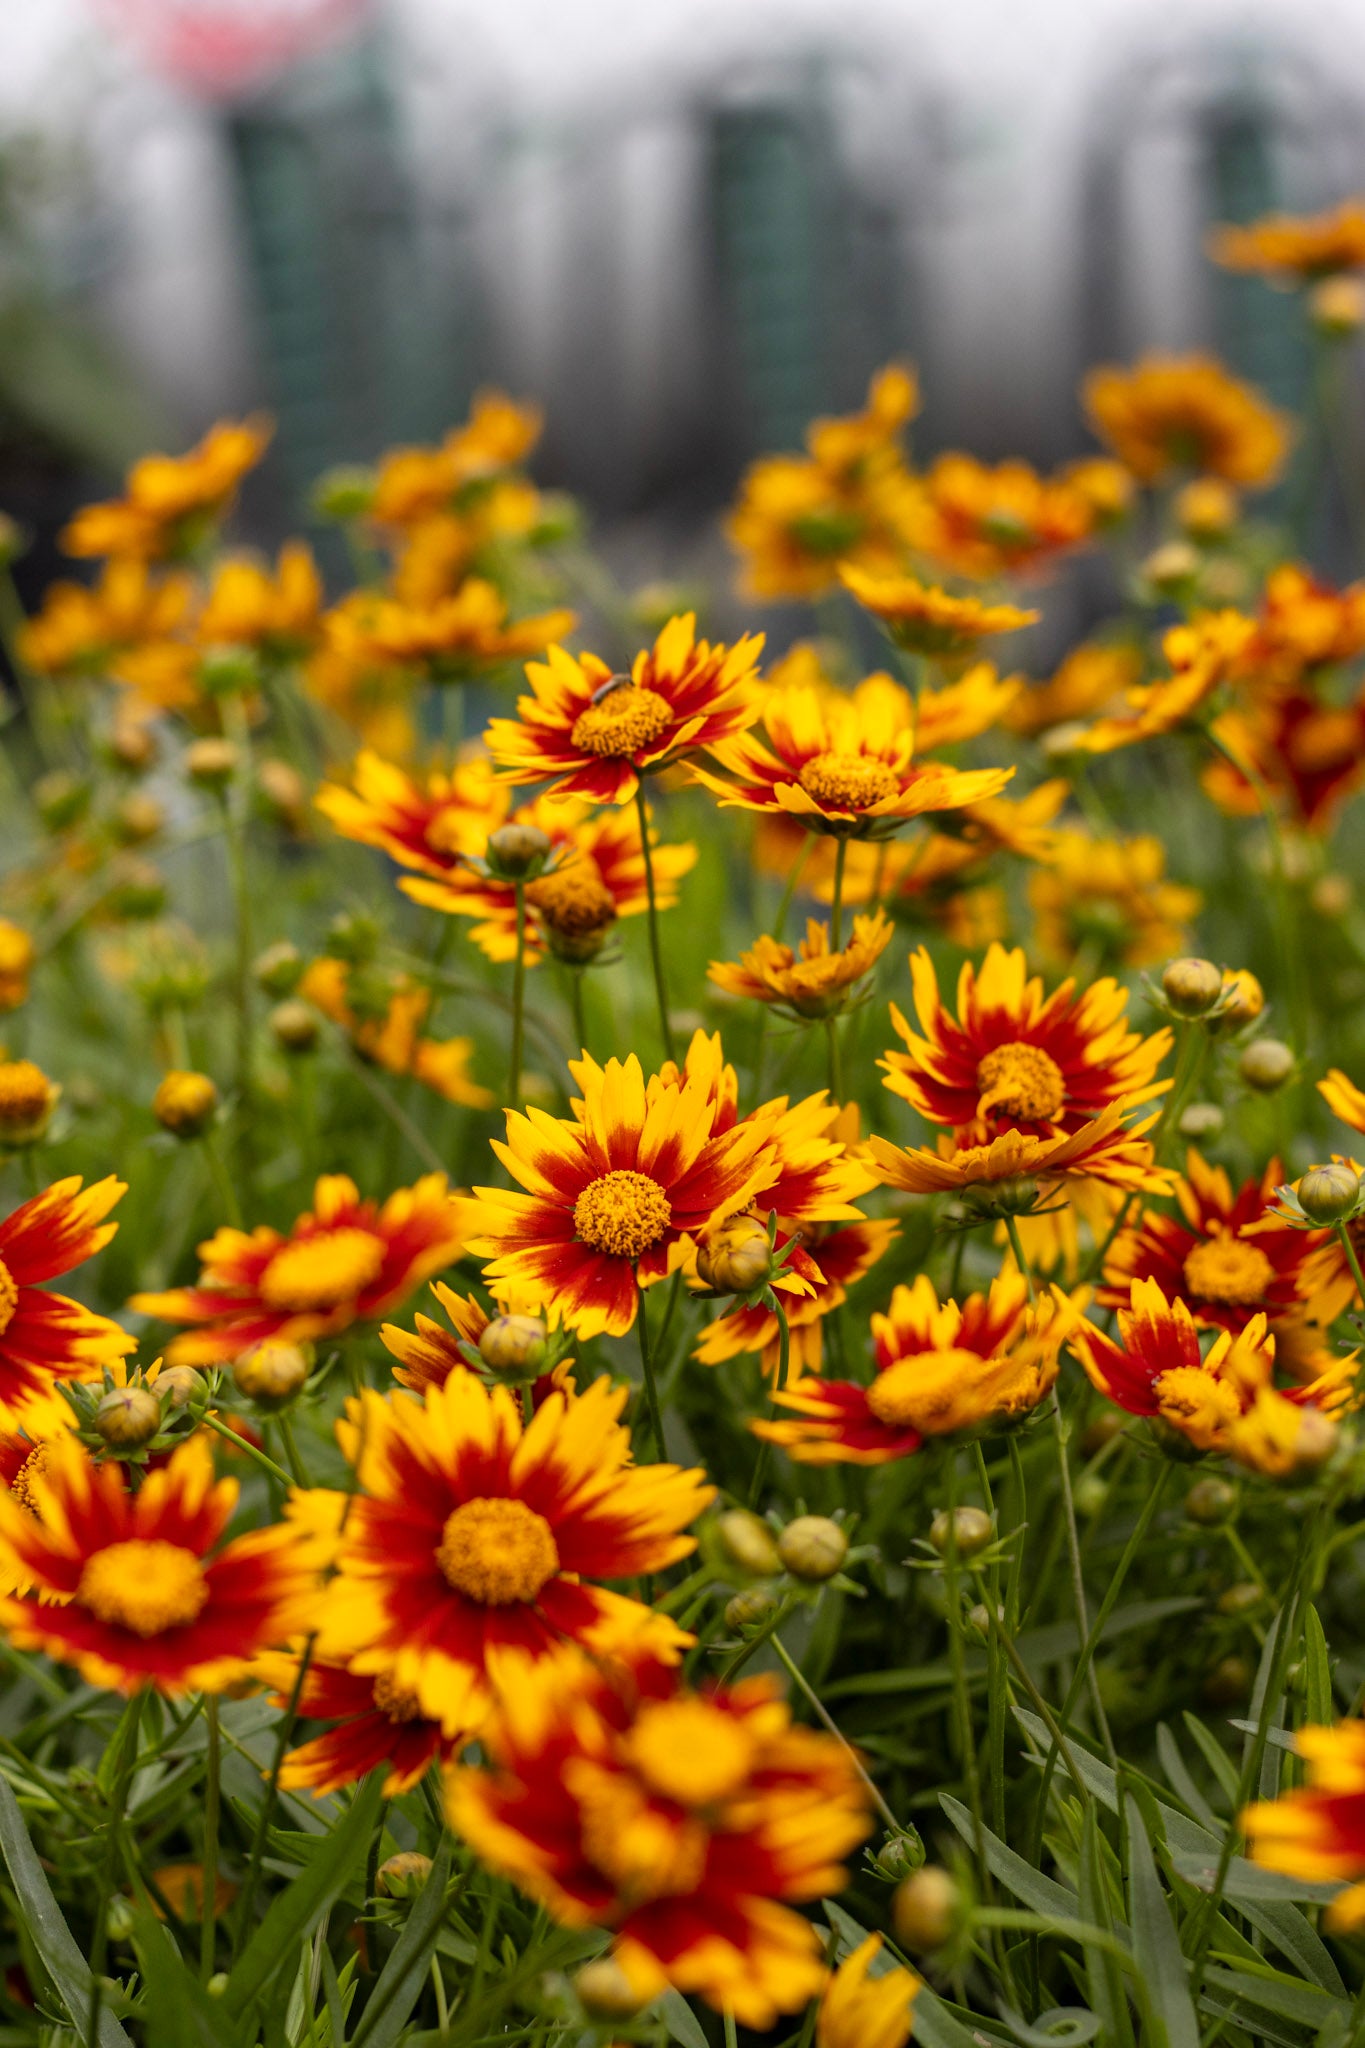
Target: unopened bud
x=1171, y=567
x=283, y=789
x=120, y=1920
x=217, y=1984
x=270, y=1374
x=1229, y=1682
x=900, y=1855
x=1016, y=1196
x=229, y=671
x=294, y=1026
x=185, y=1103
x=27, y=1100
x=1209, y=1502
x=1266, y=1064
x=402, y=1875
x=1207, y=509
x=179, y=1384
x=128, y=1416
x=736, y=1258
x=812, y=1547
x=133, y=746
x=972, y=1528
x=1332, y=894
x=1329, y=1194
x=138, y=818
x=517, y=853
x=605, y=1992
x=1201, y=1120
x=1191, y=986
x=1336, y=306
x=749, y=1611
x=61, y=800
x=1243, y=999
x=927, y=1909
x=211, y=762
x=1090, y=1493
x=137, y=891
x=1240, y=1599
x=514, y=1346
x=748, y=1543
x=279, y=969
x=353, y=936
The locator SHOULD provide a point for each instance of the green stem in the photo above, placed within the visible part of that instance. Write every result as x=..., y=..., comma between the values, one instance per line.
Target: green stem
x=123, y=1777
x=283, y=1736
x=655, y=948
x=651, y=1390
x=580, y=1027
x=208, y=1910
x=836, y=908
x=961, y=1700
x=221, y=1180
x=757, y=1640
x=779, y=1381
x=1344, y=1234
x=244, y=1444
x=817, y=1705
x=291, y=1449
x=518, y=1001
x=236, y=800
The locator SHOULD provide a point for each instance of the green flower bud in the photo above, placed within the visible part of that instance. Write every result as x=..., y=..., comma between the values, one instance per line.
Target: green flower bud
x=927, y=1910
x=1192, y=986
x=1329, y=1194
x=812, y=1547
x=974, y=1530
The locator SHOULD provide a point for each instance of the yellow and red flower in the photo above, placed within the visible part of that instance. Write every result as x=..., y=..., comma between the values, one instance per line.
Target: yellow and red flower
x=132, y=1587
x=45, y=1337
x=475, y=1535
x=449, y=639
x=248, y=606
x=928, y=620
x=81, y=628
x=593, y=734
x=1169, y=414
x=813, y=980
x=1203, y=654
x=427, y=1356
x=1296, y=248
x=387, y=1028
x=1309, y=756
x=686, y=1823
x=377, y=1723
x=830, y=1258
x=345, y=1261
x=842, y=764
x=941, y=1369
x=1317, y=1831
x=992, y=520
x=1109, y=898
x=429, y=825
x=170, y=498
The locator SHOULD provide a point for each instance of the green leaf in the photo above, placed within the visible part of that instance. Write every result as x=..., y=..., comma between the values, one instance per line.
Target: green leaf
x=53, y=1939
x=1214, y=1755
x=680, y=2022
x=400, y=1981
x=1104, y=1978
x=1317, y=1670
x=1156, y=1945
x=1249, y=1881
x=1286, y=1996
x=1041, y=1894
x=1179, y=1779
x=297, y=1908
x=180, y=2013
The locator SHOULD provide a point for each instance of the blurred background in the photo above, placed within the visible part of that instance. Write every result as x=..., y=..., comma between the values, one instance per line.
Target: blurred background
x=683, y=227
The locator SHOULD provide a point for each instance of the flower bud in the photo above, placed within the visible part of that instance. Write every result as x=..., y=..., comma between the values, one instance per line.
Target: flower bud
x=1240, y=1599
x=972, y=1527
x=514, y=1346
x=353, y=936
x=901, y=1854
x=1101, y=1430
x=1336, y=307
x=1201, y=1120
x=404, y=1874
x=1266, y=1064
x=1329, y=1194
x=927, y=1909
x=229, y=671
x=138, y=891
x=279, y=969
x=736, y=1258
x=1207, y=509
x=132, y=745
x=517, y=853
x=211, y=762
x=605, y=1992
x=27, y=1100
x=1090, y=1493
x=271, y=1373
x=138, y=818
x=1017, y=1196
x=294, y=1026
x=1209, y=1502
x=1243, y=999
x=61, y=800
x=179, y=1385
x=120, y=1920
x=185, y=1103
x=812, y=1547
x=749, y=1611
x=344, y=492
x=748, y=1543
x=1313, y=1445
x=217, y=1984
x=1191, y=986
x=1228, y=1682
x=283, y=789
x=1171, y=567
x=128, y=1416
x=979, y=1618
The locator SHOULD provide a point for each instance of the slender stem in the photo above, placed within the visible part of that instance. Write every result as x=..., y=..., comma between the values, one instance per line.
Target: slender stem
x=291, y=1449
x=396, y=1114
x=580, y=1029
x=244, y=1444
x=518, y=1000
x=221, y=1180
x=655, y=949
x=798, y=1678
x=208, y=1909
x=1039, y=1704
x=283, y=1736
x=1287, y=933
x=836, y=908
x=236, y=799
x=651, y=1390
x=836, y=1072
x=779, y=1381
x=794, y=874
x=1344, y=1234
x=961, y=1701
x=123, y=1778
x=757, y=1640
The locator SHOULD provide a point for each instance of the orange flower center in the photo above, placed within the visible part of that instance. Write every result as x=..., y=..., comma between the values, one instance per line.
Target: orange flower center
x=1227, y=1269
x=847, y=782
x=497, y=1551
x=1197, y=1402
x=399, y=1702
x=21, y=1486
x=622, y=1213
x=9, y=1297
x=144, y=1585
x=1021, y=1082
x=322, y=1271
x=689, y=1751
x=625, y=720
x=573, y=900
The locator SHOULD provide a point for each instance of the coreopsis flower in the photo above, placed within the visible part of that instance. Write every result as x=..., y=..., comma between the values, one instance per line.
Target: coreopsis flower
x=376, y=1722
x=687, y=1823
x=45, y=1337
x=1169, y=414
x=17, y=957
x=992, y=520
x=133, y=1588
x=812, y=980
x=1309, y=756
x=1096, y=676
x=384, y=1017
x=849, y=498
x=928, y=620
x=1107, y=487
x=1295, y=248
x=431, y=824
x=248, y=606
x=858, y=2010
x=830, y=1258
x=1216, y=1256
x=448, y=640
x=27, y=1101
x=345, y=1261
x=413, y=483
x=1317, y=1830
x=1343, y=1098
x=941, y=1370
x=1291, y=1435
x=1203, y=654
x=475, y=1533
x=436, y=552
x=170, y=500
x=612, y=1192
x=1109, y=897
x=841, y=764
x=959, y=710
x=1303, y=625
x=82, y=629
x=593, y=734
x=594, y=874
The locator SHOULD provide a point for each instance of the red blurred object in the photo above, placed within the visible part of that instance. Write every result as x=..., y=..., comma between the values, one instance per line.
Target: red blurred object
x=219, y=48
